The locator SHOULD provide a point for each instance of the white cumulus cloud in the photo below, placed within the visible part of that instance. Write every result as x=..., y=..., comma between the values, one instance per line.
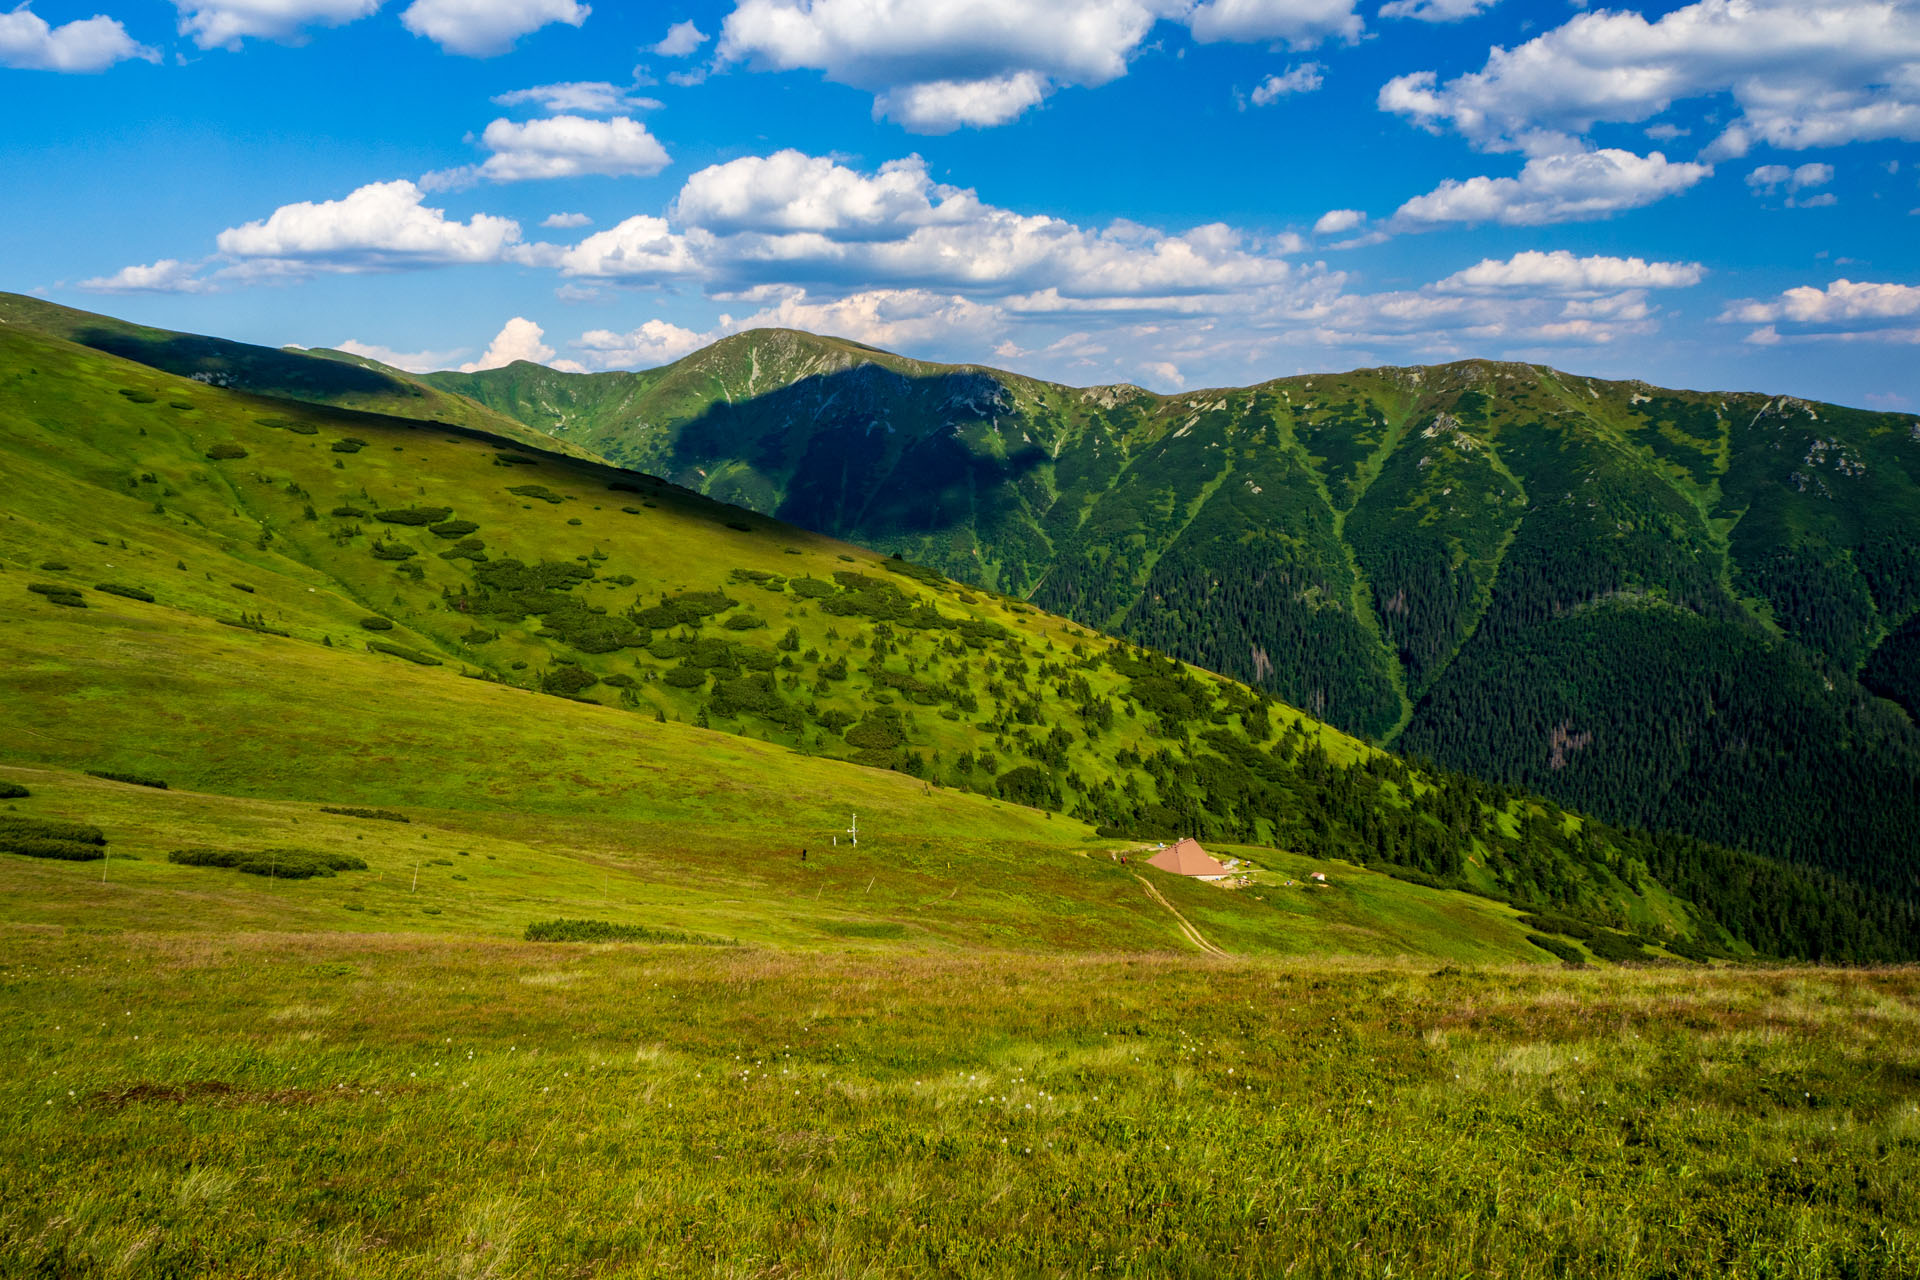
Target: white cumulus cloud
x=682, y=38
x=382, y=226
x=566, y=221
x=411, y=361
x=225, y=24
x=518, y=339
x=654, y=343
x=1338, y=222
x=28, y=43
x=938, y=65
x=1845, y=310
x=1298, y=22
x=1800, y=73
x=1569, y=187
x=1769, y=177
x=570, y=147
x=1435, y=10
x=577, y=97
x=483, y=28
x=1305, y=78
x=168, y=275
x=642, y=247
x=1561, y=271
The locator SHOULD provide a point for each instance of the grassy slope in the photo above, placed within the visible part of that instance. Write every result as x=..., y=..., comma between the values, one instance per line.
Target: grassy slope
x=591, y=798
x=322, y=377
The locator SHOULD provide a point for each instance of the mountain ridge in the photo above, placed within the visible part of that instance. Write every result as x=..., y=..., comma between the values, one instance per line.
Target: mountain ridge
x=1685, y=611
x=1343, y=539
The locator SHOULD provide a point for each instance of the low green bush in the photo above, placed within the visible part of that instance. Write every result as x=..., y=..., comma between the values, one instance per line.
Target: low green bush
x=348, y=811
x=277, y=864
x=54, y=566
x=568, y=681
x=13, y=791
x=44, y=838
x=57, y=594
x=131, y=593
x=744, y=622
x=226, y=452
x=377, y=624
x=289, y=424
x=131, y=779
x=451, y=529
x=1554, y=947
x=619, y=680
x=513, y=460
x=607, y=931
x=477, y=636
x=401, y=651
x=391, y=551
x=414, y=515
x=350, y=513
x=140, y=397
x=685, y=677
x=348, y=445
x=539, y=491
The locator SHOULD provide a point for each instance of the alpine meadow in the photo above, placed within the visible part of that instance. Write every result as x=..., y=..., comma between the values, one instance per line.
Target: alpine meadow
x=958, y=638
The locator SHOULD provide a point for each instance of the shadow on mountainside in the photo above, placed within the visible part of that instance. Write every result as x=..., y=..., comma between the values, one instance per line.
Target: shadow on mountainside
x=261, y=370
x=864, y=453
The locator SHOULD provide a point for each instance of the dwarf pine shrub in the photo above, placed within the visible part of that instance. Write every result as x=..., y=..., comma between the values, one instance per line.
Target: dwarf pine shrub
x=43, y=838
x=131, y=593
x=131, y=779
x=401, y=651
x=415, y=515
x=607, y=931
x=13, y=791
x=348, y=811
x=226, y=451
x=277, y=864
x=376, y=624
x=57, y=594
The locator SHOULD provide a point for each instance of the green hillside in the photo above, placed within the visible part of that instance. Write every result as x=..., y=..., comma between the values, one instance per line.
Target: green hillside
x=321, y=376
x=1684, y=611
x=354, y=609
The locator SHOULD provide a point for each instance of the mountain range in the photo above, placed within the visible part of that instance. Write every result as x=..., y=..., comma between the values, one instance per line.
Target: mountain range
x=1675, y=612
x=1681, y=610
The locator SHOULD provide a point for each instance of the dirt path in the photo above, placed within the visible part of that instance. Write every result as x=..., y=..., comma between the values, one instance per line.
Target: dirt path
x=1187, y=930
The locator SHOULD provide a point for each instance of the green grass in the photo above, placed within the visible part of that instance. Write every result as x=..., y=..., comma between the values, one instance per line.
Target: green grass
x=276, y=1104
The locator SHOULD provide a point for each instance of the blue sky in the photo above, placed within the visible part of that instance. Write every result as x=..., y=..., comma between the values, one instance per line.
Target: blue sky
x=1720, y=194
